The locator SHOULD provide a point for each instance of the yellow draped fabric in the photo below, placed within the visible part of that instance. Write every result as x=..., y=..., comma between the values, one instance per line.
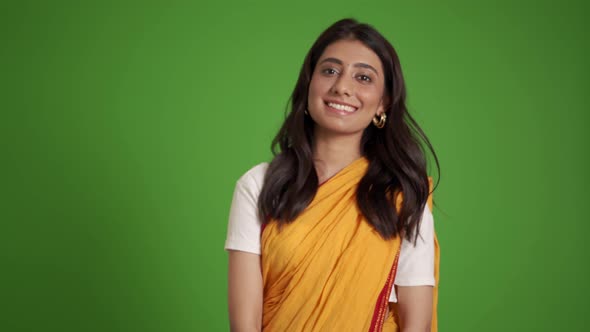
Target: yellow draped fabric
x=329, y=270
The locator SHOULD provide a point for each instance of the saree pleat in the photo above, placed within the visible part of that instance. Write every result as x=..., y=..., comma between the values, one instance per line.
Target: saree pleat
x=329, y=270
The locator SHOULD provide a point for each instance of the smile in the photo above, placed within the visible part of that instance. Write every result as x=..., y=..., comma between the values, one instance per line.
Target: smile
x=341, y=107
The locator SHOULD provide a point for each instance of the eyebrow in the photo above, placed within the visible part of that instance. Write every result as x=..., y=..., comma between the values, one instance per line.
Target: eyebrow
x=358, y=64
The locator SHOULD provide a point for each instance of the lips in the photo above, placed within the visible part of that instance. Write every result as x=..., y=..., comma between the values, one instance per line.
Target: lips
x=341, y=107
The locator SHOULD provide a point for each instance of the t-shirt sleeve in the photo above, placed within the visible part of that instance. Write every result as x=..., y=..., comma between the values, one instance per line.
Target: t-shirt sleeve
x=243, y=229
x=416, y=263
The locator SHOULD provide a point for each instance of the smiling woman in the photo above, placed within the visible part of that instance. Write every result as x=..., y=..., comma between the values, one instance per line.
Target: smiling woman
x=336, y=232
x=346, y=90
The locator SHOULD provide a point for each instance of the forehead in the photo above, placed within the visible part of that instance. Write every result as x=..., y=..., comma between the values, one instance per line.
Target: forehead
x=351, y=52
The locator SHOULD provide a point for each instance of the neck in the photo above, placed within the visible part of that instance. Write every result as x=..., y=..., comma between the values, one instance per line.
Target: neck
x=331, y=153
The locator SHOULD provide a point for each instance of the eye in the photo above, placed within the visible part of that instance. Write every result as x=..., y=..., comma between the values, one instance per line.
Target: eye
x=364, y=78
x=329, y=71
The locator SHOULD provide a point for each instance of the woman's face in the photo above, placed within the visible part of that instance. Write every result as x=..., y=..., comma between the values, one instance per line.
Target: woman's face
x=346, y=88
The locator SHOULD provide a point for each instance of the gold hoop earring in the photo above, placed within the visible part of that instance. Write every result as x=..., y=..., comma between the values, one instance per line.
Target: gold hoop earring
x=380, y=123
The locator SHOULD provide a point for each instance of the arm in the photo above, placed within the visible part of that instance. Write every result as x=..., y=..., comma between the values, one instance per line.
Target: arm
x=415, y=308
x=415, y=280
x=243, y=246
x=244, y=292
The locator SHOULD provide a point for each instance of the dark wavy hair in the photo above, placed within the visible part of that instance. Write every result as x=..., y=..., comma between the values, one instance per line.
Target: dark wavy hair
x=396, y=157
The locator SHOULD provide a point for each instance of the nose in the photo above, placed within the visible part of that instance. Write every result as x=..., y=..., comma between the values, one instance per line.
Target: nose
x=342, y=86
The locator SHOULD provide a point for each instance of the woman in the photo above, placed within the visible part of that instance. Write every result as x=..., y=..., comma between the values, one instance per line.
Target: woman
x=336, y=233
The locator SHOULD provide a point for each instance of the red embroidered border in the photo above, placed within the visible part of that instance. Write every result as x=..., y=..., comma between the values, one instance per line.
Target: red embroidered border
x=383, y=299
x=262, y=227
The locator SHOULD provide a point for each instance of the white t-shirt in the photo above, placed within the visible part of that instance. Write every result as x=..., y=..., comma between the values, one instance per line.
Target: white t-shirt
x=415, y=265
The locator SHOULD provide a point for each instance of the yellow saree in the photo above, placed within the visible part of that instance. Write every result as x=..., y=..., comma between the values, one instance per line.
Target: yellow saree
x=330, y=270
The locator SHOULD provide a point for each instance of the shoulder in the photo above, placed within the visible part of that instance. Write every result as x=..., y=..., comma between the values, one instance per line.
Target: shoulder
x=254, y=177
x=243, y=232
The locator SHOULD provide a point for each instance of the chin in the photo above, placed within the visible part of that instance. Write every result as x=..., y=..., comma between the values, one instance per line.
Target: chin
x=332, y=127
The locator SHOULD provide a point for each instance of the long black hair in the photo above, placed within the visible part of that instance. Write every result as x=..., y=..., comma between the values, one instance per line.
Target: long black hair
x=397, y=162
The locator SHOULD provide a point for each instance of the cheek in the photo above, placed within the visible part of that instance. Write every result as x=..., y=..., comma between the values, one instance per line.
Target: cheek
x=318, y=86
x=370, y=96
x=312, y=88
x=315, y=96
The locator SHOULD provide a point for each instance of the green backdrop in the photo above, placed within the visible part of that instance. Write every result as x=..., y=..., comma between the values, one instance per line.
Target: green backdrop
x=125, y=125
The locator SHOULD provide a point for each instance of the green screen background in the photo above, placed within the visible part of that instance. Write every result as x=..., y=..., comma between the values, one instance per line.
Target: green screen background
x=125, y=126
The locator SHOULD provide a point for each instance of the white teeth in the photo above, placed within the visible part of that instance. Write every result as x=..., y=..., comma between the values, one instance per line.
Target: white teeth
x=345, y=108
